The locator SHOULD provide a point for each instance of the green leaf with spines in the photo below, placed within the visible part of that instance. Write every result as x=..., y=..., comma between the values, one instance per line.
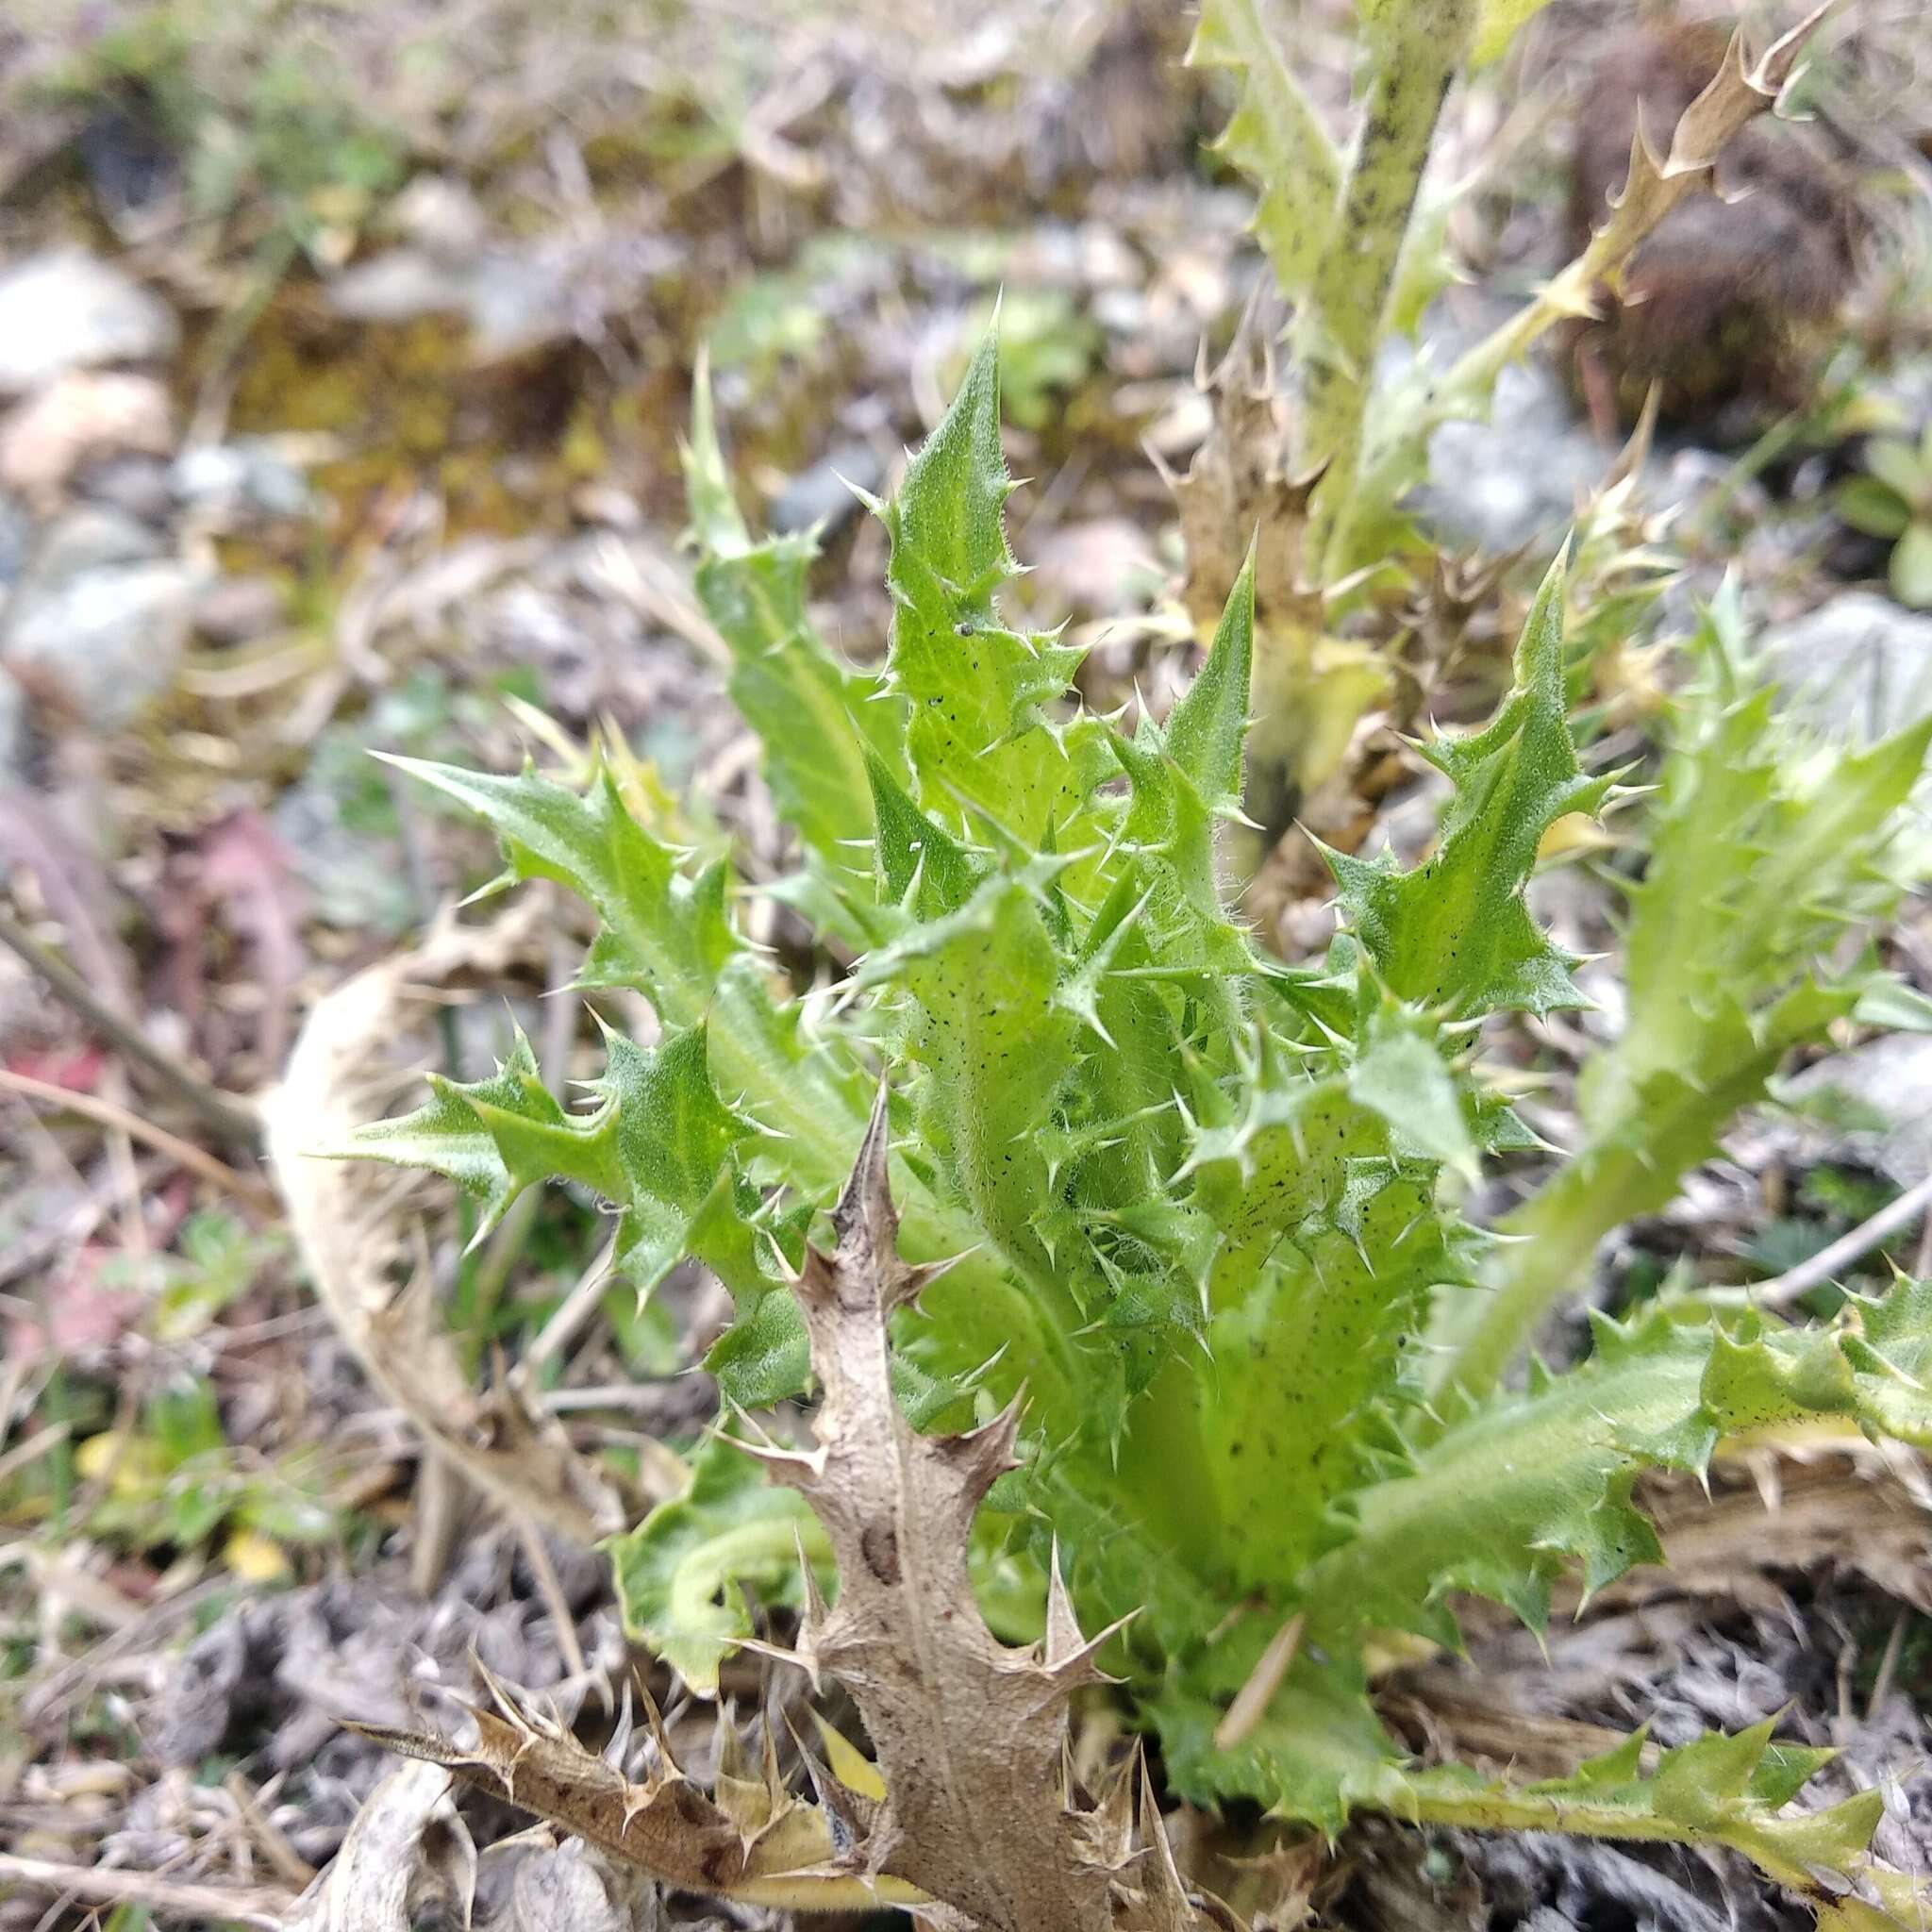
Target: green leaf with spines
x=917, y=865
x=1399, y=1073
x=682, y=1573
x=663, y=931
x=1209, y=720
x=819, y=720
x=1329, y=1246
x=1765, y=844
x=1716, y=1791
x=1318, y=1754
x=1768, y=843
x=1453, y=932
x=1517, y=1486
x=668, y=934
x=449, y=1136
x=657, y=1147
x=993, y=1050
x=1276, y=137
x=980, y=734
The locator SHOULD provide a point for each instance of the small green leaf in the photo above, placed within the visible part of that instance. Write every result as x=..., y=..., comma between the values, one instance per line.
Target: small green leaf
x=1454, y=932
x=681, y=1575
x=664, y=933
x=995, y=1048
x=1399, y=1073
x=1896, y=465
x=979, y=735
x=1317, y=1753
x=1275, y=137
x=818, y=720
x=1205, y=728
x=1871, y=506
x=1911, y=566
x=494, y=1138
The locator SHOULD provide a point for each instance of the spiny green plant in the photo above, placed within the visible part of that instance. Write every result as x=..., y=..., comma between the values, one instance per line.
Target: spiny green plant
x=1355, y=237
x=1766, y=849
x=1172, y=1217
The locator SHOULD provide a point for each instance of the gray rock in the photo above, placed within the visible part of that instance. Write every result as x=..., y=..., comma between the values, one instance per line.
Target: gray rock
x=246, y=476
x=1859, y=666
x=16, y=535
x=134, y=483
x=1891, y=1077
x=1517, y=477
x=514, y=296
x=89, y=538
x=68, y=310
x=513, y=301
x=99, y=619
x=104, y=645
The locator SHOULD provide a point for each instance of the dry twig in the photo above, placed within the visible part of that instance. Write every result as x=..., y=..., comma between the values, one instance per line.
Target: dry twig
x=118, y=1118
x=230, y=1117
x=256, y=1905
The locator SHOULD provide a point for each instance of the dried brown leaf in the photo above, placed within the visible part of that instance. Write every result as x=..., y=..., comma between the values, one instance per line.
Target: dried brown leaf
x=970, y=1736
x=748, y=1840
x=1736, y=95
x=1235, y=489
x=353, y=1245
x=407, y=1849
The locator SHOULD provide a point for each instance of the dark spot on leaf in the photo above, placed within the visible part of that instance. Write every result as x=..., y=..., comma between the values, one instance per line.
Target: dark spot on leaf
x=879, y=1545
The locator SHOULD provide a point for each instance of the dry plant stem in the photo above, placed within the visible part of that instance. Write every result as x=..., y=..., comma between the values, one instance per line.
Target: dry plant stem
x=24, y=1454
x=1783, y=1290
x=439, y=1502
x=1653, y=186
x=264, y=1831
x=521, y=1462
x=1415, y=51
x=230, y=1117
x=550, y=1587
x=254, y=1906
x=92, y=1108
x=578, y=1308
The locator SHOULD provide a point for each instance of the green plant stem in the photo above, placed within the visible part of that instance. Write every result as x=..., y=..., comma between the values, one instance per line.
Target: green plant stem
x=1500, y=1808
x=1416, y=50
x=1650, y=1126
x=1163, y=1465
x=1554, y=1235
